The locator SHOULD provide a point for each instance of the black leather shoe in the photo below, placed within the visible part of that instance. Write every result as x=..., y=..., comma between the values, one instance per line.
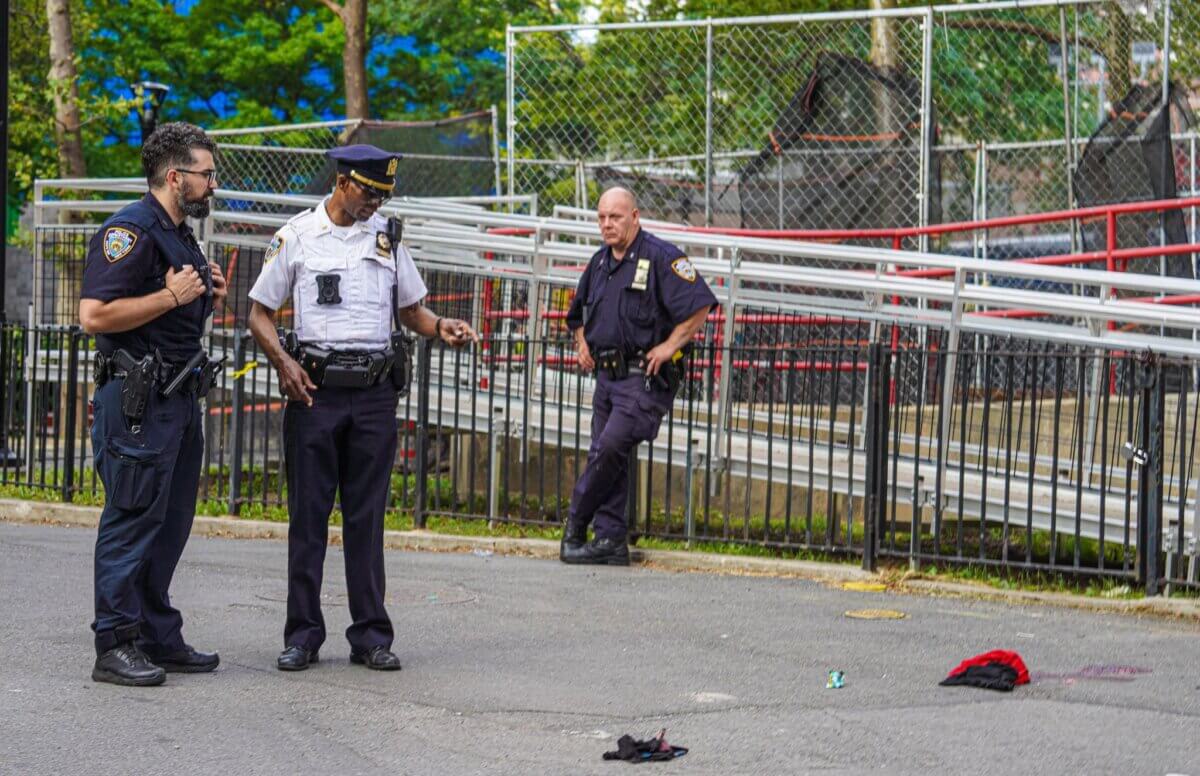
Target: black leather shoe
x=296, y=659
x=185, y=661
x=599, y=552
x=377, y=658
x=125, y=664
x=573, y=539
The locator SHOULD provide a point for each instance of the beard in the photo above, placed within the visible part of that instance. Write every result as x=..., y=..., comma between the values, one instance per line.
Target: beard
x=192, y=208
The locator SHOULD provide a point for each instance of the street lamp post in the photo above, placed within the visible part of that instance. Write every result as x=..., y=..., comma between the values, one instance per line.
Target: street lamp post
x=149, y=96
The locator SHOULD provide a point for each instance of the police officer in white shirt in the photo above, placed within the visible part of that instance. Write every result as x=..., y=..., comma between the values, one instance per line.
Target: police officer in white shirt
x=343, y=267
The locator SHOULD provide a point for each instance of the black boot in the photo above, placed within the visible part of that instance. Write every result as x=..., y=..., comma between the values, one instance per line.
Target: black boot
x=184, y=661
x=125, y=664
x=600, y=552
x=573, y=539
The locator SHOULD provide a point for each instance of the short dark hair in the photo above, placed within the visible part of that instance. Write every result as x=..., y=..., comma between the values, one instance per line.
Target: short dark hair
x=171, y=146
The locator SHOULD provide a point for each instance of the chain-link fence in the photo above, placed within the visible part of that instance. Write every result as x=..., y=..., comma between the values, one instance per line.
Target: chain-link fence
x=457, y=156
x=845, y=120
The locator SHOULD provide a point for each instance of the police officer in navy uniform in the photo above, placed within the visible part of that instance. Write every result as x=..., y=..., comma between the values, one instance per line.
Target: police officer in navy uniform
x=349, y=277
x=147, y=294
x=638, y=306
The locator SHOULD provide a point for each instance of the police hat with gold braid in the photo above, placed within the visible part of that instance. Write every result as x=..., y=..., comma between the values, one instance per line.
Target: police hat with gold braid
x=368, y=165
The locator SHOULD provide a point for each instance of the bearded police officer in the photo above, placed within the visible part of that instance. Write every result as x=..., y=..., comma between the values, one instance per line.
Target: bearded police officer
x=147, y=294
x=637, y=308
x=342, y=265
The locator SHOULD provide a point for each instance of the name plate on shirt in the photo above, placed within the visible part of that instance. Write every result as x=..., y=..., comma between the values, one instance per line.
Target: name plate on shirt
x=641, y=275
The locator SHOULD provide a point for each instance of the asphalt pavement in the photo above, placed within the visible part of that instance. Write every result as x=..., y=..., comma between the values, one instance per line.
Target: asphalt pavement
x=521, y=666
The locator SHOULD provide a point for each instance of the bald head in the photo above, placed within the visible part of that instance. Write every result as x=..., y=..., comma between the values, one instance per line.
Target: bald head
x=618, y=195
x=618, y=216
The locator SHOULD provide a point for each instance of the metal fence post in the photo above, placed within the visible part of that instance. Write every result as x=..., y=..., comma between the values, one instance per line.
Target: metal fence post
x=708, y=122
x=68, y=483
x=926, y=123
x=424, y=367
x=632, y=511
x=874, y=440
x=510, y=121
x=1150, y=479
x=1068, y=132
x=236, y=422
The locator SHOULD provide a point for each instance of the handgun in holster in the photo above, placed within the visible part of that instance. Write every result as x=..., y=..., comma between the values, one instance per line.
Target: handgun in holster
x=612, y=361
x=140, y=380
x=669, y=377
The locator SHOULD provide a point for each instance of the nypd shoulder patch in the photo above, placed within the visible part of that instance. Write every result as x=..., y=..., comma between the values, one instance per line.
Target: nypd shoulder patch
x=118, y=242
x=273, y=249
x=684, y=269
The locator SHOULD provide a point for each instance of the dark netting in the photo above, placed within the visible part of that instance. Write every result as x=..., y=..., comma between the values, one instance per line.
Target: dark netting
x=844, y=153
x=1131, y=158
x=663, y=195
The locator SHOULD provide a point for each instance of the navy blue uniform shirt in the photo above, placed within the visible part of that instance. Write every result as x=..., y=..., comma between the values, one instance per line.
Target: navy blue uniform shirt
x=635, y=303
x=129, y=257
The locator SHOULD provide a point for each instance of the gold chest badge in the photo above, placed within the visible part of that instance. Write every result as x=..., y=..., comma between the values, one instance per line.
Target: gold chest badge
x=383, y=244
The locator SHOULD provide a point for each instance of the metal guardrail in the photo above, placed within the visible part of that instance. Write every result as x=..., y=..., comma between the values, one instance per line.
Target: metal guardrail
x=770, y=443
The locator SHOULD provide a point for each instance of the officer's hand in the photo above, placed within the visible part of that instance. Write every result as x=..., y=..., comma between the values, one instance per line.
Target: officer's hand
x=586, y=362
x=220, y=287
x=295, y=382
x=456, y=333
x=186, y=285
x=662, y=354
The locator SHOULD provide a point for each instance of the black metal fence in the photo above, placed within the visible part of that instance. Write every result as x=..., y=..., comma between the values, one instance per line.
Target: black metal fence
x=1001, y=454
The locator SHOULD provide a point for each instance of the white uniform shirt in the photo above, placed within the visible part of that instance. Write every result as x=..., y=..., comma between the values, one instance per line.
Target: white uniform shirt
x=310, y=244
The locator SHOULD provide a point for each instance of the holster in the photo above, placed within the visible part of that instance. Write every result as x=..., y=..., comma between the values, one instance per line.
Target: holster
x=208, y=377
x=401, y=370
x=669, y=377
x=141, y=378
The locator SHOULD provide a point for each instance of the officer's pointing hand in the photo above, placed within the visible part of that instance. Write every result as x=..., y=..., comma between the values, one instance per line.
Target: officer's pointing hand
x=658, y=356
x=295, y=382
x=185, y=285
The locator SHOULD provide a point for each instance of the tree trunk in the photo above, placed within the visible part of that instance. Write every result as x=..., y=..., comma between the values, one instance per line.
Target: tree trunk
x=883, y=36
x=354, y=58
x=66, y=91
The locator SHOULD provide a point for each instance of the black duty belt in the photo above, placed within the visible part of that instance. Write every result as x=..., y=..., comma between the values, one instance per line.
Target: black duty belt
x=344, y=368
x=196, y=375
x=149, y=374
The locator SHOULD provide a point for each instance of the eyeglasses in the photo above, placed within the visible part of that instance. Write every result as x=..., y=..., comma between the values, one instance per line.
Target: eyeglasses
x=210, y=174
x=371, y=193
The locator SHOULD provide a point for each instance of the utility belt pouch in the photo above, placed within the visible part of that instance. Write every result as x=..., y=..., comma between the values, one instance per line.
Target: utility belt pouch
x=314, y=361
x=612, y=361
x=139, y=383
x=401, y=368
x=350, y=370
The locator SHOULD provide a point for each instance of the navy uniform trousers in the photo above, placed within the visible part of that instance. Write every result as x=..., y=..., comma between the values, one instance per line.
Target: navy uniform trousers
x=346, y=441
x=623, y=415
x=150, y=483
